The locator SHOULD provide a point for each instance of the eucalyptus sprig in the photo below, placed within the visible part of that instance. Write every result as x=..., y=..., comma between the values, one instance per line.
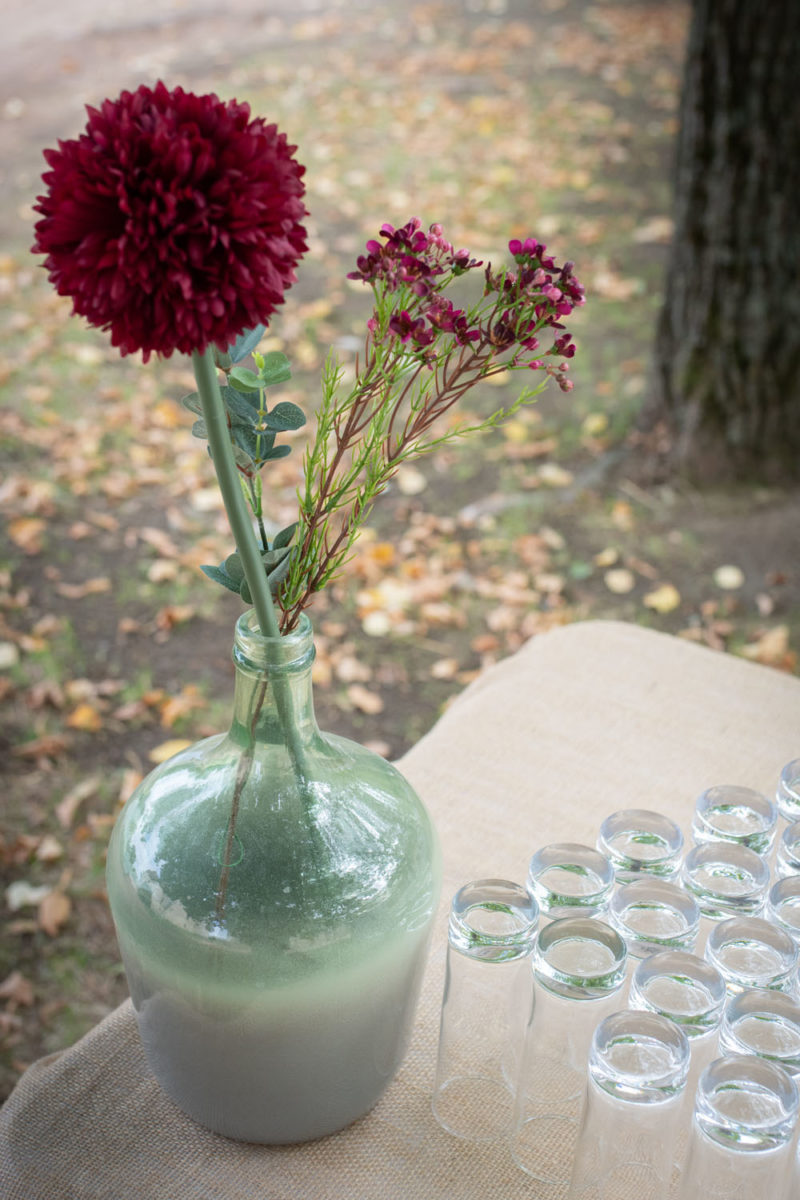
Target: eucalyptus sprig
x=253, y=429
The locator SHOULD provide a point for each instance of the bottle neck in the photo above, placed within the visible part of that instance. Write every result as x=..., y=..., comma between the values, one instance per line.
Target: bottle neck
x=273, y=684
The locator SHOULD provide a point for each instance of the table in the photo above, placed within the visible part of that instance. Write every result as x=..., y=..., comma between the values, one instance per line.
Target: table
x=583, y=720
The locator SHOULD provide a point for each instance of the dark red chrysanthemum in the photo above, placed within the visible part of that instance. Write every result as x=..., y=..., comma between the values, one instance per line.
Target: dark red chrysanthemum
x=174, y=220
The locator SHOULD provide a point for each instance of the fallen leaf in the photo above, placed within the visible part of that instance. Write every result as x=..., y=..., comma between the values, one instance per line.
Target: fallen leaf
x=620, y=581
x=49, y=849
x=66, y=809
x=410, y=481
x=664, y=599
x=9, y=655
x=728, y=577
x=26, y=533
x=86, y=718
x=364, y=700
x=771, y=648
x=49, y=745
x=552, y=475
x=165, y=750
x=21, y=894
x=54, y=911
x=90, y=587
x=17, y=990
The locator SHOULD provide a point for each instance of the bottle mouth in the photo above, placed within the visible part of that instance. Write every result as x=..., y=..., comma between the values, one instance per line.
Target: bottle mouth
x=290, y=652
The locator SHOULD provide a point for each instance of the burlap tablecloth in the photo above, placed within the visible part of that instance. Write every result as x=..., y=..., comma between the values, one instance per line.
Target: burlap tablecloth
x=584, y=720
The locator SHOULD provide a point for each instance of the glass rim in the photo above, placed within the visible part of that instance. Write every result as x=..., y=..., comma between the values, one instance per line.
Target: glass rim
x=568, y=856
x=255, y=652
x=652, y=891
x=729, y=854
x=636, y=1085
x=762, y=1005
x=572, y=985
x=480, y=940
x=739, y=930
x=646, y=821
x=683, y=968
x=726, y=1075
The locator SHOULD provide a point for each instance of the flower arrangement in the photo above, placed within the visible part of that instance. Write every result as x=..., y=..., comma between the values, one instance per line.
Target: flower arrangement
x=174, y=222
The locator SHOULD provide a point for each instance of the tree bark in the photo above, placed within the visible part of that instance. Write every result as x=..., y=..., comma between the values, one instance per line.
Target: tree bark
x=727, y=357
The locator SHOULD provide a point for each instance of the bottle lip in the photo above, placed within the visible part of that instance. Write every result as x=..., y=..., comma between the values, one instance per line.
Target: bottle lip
x=252, y=651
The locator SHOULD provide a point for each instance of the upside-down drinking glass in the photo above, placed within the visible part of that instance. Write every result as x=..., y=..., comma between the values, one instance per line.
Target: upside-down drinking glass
x=570, y=880
x=783, y=905
x=487, y=1003
x=728, y=813
x=637, y=1072
x=654, y=914
x=750, y=952
x=787, y=860
x=788, y=792
x=765, y=1023
x=579, y=966
x=640, y=842
x=726, y=880
x=742, y=1132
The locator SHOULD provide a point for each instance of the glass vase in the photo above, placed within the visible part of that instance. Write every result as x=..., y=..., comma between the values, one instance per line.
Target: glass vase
x=273, y=890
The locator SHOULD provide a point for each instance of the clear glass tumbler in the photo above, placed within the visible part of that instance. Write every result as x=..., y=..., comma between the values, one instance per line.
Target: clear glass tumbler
x=787, y=860
x=637, y=1072
x=486, y=1007
x=750, y=952
x=742, y=1132
x=726, y=880
x=766, y=1023
x=579, y=966
x=653, y=915
x=788, y=792
x=783, y=905
x=570, y=880
x=728, y=813
x=640, y=842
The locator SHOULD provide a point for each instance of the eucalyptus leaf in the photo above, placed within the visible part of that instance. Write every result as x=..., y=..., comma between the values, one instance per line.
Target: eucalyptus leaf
x=285, y=416
x=192, y=402
x=241, y=408
x=284, y=537
x=220, y=575
x=276, y=452
x=233, y=567
x=245, y=380
x=276, y=369
x=271, y=558
x=243, y=459
x=277, y=576
x=199, y=430
x=246, y=343
x=248, y=441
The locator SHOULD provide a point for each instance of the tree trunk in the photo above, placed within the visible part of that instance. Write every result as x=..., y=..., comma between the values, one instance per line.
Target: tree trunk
x=727, y=369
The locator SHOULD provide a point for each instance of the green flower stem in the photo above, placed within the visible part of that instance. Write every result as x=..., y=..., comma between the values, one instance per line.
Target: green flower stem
x=205, y=372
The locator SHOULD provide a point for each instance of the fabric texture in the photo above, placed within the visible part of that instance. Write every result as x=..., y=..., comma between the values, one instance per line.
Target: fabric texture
x=584, y=720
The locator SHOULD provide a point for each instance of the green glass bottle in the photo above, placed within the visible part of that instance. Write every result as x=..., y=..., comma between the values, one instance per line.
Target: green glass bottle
x=273, y=890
